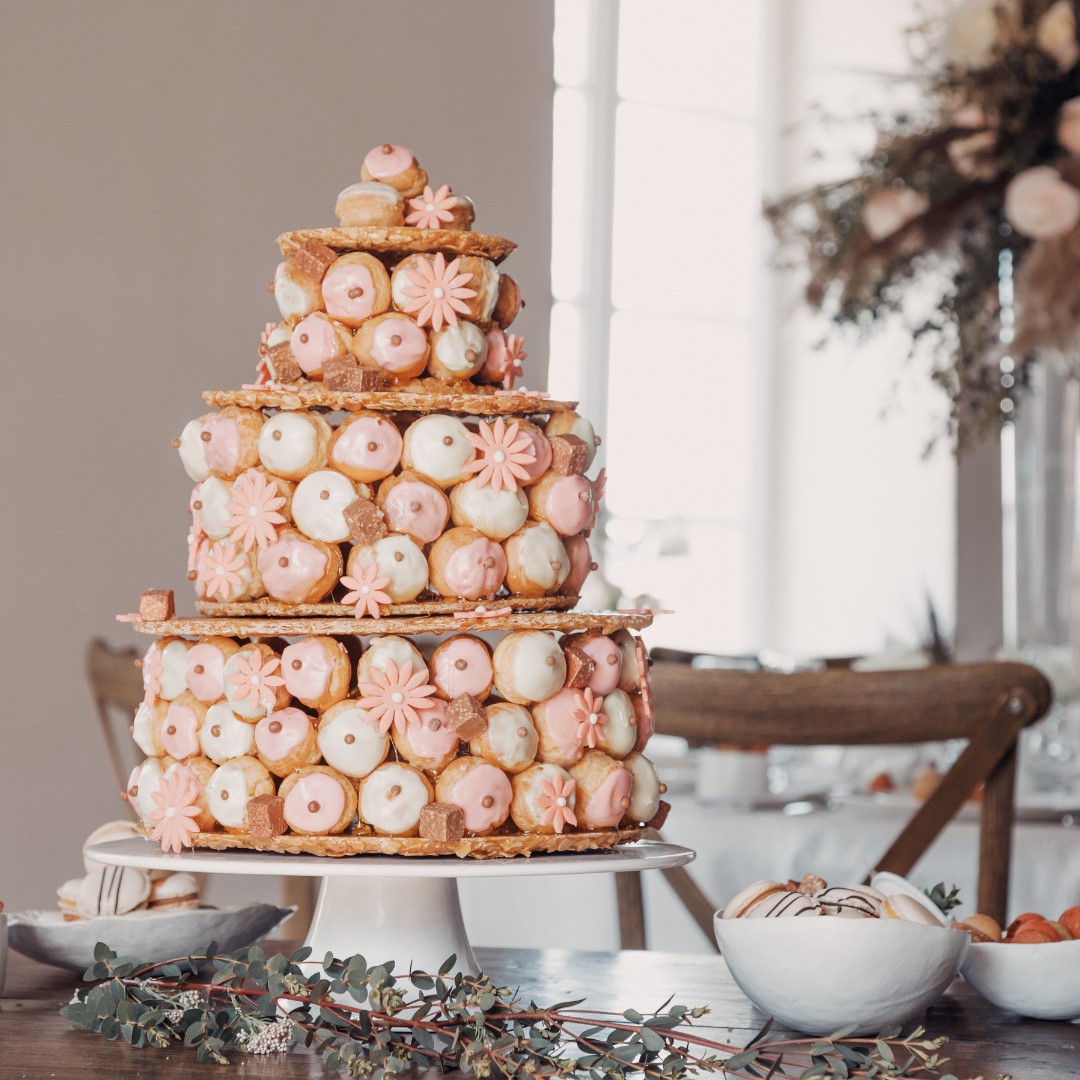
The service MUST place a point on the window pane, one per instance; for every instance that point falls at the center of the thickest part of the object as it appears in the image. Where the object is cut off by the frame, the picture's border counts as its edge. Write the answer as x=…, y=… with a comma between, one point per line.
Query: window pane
x=685, y=243
x=691, y=54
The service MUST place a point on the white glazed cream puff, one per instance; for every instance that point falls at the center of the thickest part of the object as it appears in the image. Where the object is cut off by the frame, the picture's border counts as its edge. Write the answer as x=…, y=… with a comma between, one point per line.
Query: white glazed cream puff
x=180, y=727
x=192, y=449
x=429, y=742
x=398, y=559
x=508, y=302
x=497, y=514
x=544, y=799
x=536, y=561
x=366, y=447
x=645, y=791
x=146, y=727
x=439, y=447
x=204, y=668
x=457, y=352
x=395, y=166
x=254, y=684
x=570, y=423
x=529, y=666
x=466, y=564
x=603, y=790
x=296, y=294
x=382, y=650
x=630, y=673
x=224, y=735
x=349, y=742
x=414, y=505
x=318, y=502
x=394, y=343
x=510, y=740
x=166, y=660
x=618, y=733
x=293, y=444
x=368, y=203
x=604, y=653
x=230, y=441
x=481, y=789
x=355, y=288
x=316, y=671
x=318, y=339
x=391, y=798
x=144, y=780
x=232, y=786
x=209, y=500
x=564, y=502
x=285, y=741
x=462, y=665
x=319, y=801
x=298, y=570
x=485, y=282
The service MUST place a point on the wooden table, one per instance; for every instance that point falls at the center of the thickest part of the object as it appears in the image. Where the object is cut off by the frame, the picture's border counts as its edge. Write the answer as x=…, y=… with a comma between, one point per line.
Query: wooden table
x=36, y=1043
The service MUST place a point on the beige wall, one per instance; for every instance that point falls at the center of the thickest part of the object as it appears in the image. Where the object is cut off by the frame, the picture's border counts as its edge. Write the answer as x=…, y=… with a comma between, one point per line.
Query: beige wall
x=150, y=154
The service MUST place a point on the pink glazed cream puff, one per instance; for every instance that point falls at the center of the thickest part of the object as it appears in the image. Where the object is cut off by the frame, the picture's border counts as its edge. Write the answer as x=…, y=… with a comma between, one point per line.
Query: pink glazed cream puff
x=395, y=166
x=319, y=801
x=230, y=441
x=316, y=671
x=481, y=789
x=366, y=447
x=603, y=789
x=393, y=343
x=285, y=741
x=204, y=669
x=564, y=502
x=355, y=288
x=466, y=564
x=298, y=570
x=570, y=423
x=180, y=727
x=581, y=564
x=559, y=724
x=316, y=340
x=413, y=505
x=429, y=742
x=462, y=665
x=604, y=653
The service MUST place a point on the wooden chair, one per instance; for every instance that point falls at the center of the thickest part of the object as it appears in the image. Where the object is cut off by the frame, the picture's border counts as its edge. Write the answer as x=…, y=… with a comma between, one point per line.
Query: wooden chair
x=988, y=704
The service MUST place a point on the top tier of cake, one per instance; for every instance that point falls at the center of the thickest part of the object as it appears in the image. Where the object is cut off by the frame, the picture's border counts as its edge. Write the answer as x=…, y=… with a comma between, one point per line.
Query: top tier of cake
x=401, y=295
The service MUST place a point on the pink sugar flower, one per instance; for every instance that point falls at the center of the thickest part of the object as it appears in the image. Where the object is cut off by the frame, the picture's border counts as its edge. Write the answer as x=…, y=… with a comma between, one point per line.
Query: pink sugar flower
x=396, y=698
x=255, y=680
x=590, y=718
x=176, y=811
x=554, y=801
x=437, y=291
x=367, y=593
x=515, y=356
x=254, y=509
x=219, y=569
x=502, y=455
x=432, y=210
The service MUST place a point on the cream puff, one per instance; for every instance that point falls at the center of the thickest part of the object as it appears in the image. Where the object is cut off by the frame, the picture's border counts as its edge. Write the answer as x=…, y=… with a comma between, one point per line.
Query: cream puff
x=484, y=281
x=382, y=650
x=605, y=654
x=391, y=798
x=144, y=780
x=510, y=740
x=508, y=302
x=356, y=287
x=399, y=560
x=293, y=444
x=544, y=799
x=369, y=203
x=394, y=343
x=319, y=801
x=603, y=787
x=198, y=771
x=541, y=448
x=581, y=564
x=366, y=447
x=414, y=505
x=536, y=561
x=166, y=660
x=570, y=423
x=646, y=725
x=209, y=501
x=254, y=683
x=317, y=671
x=497, y=514
x=232, y=786
x=561, y=726
x=429, y=742
x=349, y=742
x=618, y=732
x=466, y=564
x=192, y=449
x=529, y=666
x=180, y=727
x=316, y=340
x=564, y=502
x=645, y=791
x=318, y=502
x=395, y=166
x=296, y=294
x=227, y=574
x=204, y=668
x=462, y=665
x=457, y=352
x=481, y=789
x=298, y=570
x=230, y=441
x=439, y=447
x=632, y=650
x=285, y=741
x=146, y=727
x=224, y=735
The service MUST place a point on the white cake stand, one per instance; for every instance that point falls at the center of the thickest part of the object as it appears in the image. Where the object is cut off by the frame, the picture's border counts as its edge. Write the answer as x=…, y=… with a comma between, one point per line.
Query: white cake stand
x=392, y=907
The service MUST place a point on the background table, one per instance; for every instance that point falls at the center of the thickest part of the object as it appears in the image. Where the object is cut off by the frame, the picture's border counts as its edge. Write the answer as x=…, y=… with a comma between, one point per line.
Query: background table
x=36, y=1042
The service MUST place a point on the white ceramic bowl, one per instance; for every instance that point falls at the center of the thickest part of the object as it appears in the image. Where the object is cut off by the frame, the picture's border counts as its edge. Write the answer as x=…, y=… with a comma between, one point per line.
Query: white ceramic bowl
x=1041, y=981
x=147, y=935
x=817, y=975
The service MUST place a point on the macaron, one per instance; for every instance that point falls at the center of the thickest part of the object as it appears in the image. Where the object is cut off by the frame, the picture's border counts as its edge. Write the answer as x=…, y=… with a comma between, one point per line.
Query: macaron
x=112, y=890
x=982, y=928
x=67, y=899
x=175, y=891
x=907, y=909
x=741, y=902
x=850, y=901
x=111, y=830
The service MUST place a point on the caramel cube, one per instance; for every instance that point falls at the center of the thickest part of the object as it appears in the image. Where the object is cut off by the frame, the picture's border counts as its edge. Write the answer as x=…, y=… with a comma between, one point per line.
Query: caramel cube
x=579, y=667
x=568, y=455
x=283, y=365
x=313, y=259
x=157, y=605
x=467, y=717
x=442, y=821
x=343, y=373
x=658, y=819
x=365, y=521
x=266, y=816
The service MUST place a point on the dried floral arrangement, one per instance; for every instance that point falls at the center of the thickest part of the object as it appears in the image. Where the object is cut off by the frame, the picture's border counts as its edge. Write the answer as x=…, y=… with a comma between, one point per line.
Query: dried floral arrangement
x=979, y=186
x=260, y=1005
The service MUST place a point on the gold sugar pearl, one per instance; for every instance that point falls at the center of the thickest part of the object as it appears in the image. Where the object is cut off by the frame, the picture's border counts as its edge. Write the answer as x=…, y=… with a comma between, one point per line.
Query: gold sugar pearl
x=612, y=658
x=171, y=729
x=350, y=739
x=373, y=446
x=550, y=661
x=395, y=340
x=394, y=792
x=522, y=732
x=276, y=434
x=434, y=724
x=303, y=339
x=216, y=731
x=297, y=665
x=324, y=495
x=204, y=435
x=399, y=556
x=448, y=440
x=225, y=796
x=313, y=807
x=461, y=665
x=199, y=669
x=487, y=801
x=275, y=726
x=283, y=561
x=355, y=292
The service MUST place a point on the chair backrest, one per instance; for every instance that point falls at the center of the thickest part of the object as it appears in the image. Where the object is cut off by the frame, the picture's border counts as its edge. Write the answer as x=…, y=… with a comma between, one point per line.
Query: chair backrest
x=117, y=690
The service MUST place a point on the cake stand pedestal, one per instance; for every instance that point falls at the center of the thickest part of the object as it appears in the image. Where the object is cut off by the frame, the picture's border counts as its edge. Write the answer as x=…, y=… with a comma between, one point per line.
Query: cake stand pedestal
x=392, y=907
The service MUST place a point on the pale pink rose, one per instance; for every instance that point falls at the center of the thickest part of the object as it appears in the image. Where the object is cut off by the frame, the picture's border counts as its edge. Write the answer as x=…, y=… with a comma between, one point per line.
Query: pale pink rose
x=977, y=30
x=967, y=154
x=1055, y=34
x=1040, y=205
x=1068, y=129
x=890, y=209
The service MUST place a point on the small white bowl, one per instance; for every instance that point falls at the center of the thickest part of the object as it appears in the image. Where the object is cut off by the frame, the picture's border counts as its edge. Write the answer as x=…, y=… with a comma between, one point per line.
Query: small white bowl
x=819, y=974
x=1040, y=981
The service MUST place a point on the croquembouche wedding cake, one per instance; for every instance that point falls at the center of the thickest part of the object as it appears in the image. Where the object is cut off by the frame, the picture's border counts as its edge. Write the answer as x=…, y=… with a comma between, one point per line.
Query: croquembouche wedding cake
x=387, y=539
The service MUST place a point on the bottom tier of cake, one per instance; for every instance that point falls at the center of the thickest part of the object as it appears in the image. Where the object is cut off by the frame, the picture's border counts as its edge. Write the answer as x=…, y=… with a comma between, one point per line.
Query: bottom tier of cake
x=483, y=744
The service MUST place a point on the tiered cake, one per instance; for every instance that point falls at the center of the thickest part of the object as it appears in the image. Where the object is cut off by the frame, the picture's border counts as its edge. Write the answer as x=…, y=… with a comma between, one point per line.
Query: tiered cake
x=386, y=541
